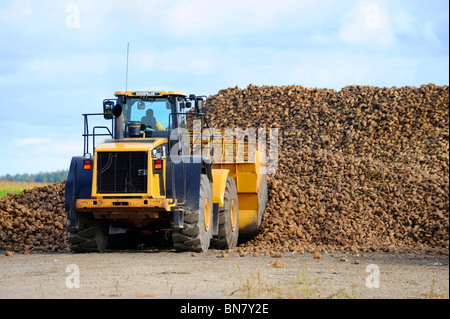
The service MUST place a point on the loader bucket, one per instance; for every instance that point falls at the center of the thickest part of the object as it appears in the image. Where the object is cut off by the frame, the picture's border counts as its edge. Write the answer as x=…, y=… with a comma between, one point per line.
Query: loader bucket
x=251, y=182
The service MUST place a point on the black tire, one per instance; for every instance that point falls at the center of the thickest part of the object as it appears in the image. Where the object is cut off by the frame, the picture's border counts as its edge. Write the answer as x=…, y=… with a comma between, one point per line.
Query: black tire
x=195, y=236
x=89, y=236
x=227, y=237
x=101, y=235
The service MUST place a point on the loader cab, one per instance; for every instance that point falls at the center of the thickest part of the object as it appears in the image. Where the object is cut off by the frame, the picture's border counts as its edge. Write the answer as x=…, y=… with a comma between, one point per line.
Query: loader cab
x=151, y=114
x=155, y=114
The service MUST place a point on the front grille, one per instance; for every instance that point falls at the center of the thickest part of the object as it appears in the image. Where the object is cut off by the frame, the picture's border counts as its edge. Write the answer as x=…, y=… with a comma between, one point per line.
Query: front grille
x=122, y=172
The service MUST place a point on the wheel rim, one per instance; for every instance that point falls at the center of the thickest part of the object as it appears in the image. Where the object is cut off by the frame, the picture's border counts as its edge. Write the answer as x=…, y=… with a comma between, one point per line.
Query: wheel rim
x=207, y=214
x=233, y=215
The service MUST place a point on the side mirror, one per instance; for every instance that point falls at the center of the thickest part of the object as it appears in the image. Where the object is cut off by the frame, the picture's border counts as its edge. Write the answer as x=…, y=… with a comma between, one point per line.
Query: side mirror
x=108, y=109
x=199, y=105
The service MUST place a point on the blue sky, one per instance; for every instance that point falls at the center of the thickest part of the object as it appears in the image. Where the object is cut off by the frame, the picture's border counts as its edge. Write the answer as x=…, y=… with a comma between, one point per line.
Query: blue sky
x=60, y=59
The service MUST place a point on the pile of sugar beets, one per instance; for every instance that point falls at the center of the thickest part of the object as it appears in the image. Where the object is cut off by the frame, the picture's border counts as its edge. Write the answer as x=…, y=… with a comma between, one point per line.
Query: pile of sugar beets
x=361, y=169
x=34, y=220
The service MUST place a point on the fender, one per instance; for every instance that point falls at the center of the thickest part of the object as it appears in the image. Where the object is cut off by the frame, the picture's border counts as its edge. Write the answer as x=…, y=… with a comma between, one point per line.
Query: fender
x=78, y=186
x=193, y=168
x=220, y=182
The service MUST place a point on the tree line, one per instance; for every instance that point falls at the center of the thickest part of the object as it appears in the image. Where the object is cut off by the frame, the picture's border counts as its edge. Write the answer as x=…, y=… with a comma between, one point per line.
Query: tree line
x=41, y=177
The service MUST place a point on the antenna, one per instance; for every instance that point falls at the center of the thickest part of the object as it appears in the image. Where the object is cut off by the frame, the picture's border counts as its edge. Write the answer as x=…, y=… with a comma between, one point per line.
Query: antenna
x=126, y=77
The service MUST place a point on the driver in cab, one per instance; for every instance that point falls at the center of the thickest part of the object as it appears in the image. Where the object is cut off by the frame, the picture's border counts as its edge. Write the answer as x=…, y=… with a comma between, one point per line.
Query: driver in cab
x=149, y=119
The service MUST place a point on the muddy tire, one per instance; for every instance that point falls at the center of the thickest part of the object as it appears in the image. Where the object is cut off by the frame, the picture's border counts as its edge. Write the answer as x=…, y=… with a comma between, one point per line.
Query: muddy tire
x=227, y=237
x=197, y=227
x=89, y=236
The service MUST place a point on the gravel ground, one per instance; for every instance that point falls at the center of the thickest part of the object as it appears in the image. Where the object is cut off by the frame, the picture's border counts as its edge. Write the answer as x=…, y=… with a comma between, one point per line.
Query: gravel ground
x=153, y=273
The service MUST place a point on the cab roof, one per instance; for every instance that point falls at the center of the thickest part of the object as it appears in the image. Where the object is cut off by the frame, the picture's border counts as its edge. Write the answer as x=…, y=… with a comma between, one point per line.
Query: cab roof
x=148, y=93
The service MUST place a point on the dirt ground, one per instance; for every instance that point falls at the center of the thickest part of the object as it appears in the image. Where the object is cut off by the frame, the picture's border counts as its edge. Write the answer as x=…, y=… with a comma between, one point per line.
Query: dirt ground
x=156, y=273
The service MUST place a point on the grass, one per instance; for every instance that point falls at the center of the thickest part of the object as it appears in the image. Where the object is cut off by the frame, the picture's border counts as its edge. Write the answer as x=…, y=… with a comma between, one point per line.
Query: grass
x=299, y=287
x=7, y=187
x=252, y=287
x=256, y=287
x=305, y=287
x=302, y=286
x=434, y=293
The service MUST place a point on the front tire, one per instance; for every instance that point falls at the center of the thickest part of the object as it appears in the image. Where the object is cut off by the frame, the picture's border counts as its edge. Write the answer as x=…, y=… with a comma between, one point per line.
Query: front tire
x=197, y=227
x=89, y=236
x=227, y=237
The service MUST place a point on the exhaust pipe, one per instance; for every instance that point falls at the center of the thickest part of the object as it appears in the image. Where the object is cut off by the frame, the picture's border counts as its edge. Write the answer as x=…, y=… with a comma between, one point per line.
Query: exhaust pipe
x=119, y=130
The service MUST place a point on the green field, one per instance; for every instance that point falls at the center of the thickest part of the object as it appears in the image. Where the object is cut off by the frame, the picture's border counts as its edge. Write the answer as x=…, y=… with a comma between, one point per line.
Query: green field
x=16, y=187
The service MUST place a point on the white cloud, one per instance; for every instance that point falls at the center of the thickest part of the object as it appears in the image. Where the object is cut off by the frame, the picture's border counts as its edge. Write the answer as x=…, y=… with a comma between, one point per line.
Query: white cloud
x=417, y=30
x=205, y=18
x=31, y=155
x=19, y=10
x=68, y=71
x=143, y=60
x=68, y=148
x=33, y=141
x=404, y=22
x=70, y=64
x=174, y=64
x=430, y=35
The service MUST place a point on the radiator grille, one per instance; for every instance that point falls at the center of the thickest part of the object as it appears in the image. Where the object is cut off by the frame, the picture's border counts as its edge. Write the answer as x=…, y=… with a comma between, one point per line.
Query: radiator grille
x=122, y=172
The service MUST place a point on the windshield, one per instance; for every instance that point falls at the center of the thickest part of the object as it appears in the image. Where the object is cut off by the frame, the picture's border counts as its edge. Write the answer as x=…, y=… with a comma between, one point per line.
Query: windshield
x=153, y=112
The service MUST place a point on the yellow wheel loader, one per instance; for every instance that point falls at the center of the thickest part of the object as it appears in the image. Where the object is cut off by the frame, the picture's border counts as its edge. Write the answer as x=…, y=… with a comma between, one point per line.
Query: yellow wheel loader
x=162, y=170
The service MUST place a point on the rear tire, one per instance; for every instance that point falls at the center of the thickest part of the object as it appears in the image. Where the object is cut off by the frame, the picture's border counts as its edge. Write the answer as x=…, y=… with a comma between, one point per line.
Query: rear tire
x=227, y=237
x=197, y=227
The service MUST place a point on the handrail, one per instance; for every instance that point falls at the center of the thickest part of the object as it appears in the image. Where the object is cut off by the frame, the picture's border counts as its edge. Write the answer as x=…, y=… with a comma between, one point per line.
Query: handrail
x=86, y=133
